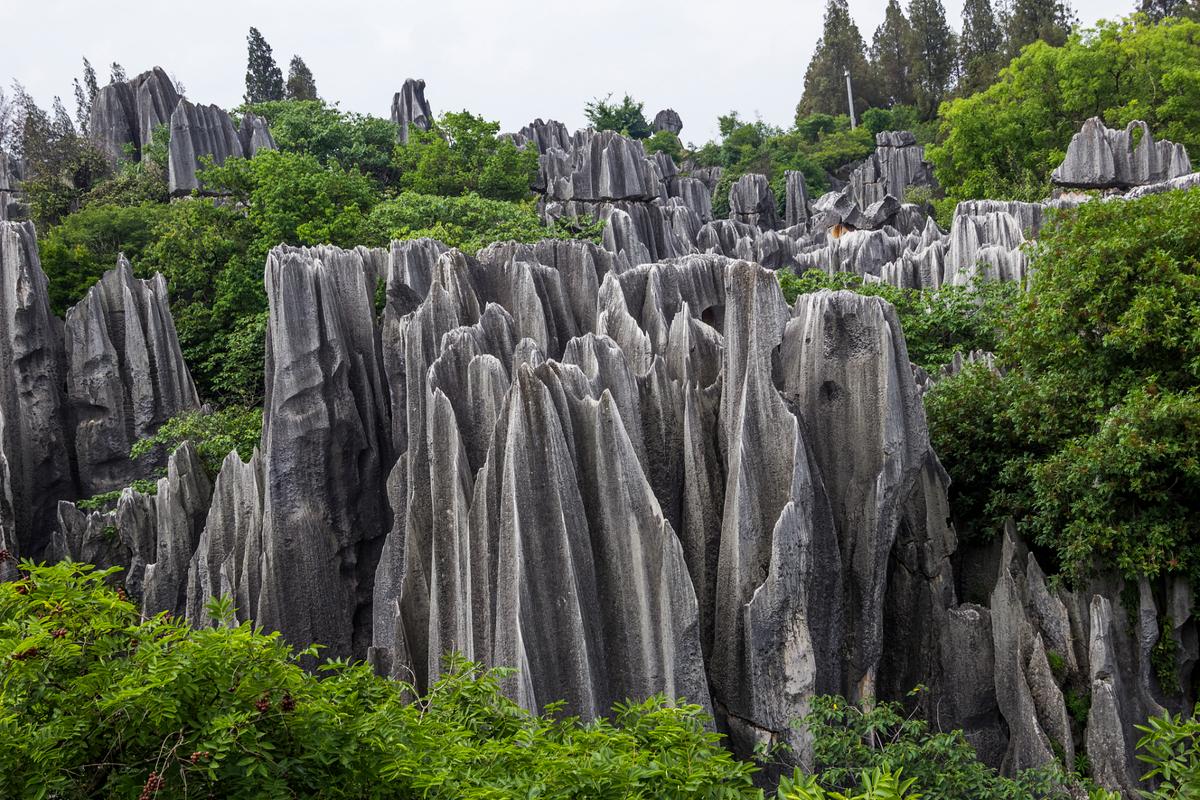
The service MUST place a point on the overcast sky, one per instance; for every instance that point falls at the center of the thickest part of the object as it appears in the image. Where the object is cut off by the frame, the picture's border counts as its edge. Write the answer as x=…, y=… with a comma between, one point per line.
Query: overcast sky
x=511, y=61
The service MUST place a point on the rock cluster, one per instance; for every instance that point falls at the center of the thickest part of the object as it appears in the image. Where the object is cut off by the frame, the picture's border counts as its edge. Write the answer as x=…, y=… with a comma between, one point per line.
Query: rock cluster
x=897, y=163
x=409, y=107
x=1102, y=158
x=125, y=114
x=199, y=132
x=74, y=397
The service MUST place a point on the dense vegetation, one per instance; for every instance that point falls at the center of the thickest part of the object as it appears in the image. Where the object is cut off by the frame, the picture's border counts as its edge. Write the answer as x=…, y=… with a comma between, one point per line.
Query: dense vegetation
x=100, y=702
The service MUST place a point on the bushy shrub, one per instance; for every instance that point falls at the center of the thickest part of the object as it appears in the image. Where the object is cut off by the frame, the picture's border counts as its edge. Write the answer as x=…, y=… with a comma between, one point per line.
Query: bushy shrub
x=462, y=155
x=214, y=434
x=332, y=136
x=98, y=702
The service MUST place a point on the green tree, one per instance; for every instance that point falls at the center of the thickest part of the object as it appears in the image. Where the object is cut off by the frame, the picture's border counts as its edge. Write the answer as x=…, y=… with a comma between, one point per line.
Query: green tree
x=839, y=49
x=1048, y=21
x=665, y=142
x=980, y=47
x=214, y=434
x=1161, y=9
x=300, y=82
x=98, y=702
x=933, y=54
x=1171, y=746
x=626, y=117
x=462, y=154
x=1092, y=436
x=1004, y=142
x=85, y=95
x=333, y=136
x=891, y=60
x=264, y=80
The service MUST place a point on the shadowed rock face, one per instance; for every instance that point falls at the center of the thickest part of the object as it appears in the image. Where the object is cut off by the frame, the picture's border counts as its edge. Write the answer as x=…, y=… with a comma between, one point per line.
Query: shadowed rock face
x=751, y=201
x=254, y=135
x=32, y=375
x=1102, y=158
x=668, y=120
x=796, y=206
x=409, y=107
x=897, y=163
x=125, y=376
x=127, y=113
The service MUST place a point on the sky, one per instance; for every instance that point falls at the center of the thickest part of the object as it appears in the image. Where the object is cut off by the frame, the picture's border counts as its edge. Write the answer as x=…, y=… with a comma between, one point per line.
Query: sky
x=510, y=61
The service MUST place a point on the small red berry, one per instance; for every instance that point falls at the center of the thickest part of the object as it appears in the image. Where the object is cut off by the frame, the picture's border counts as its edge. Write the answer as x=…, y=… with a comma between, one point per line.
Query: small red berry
x=59, y=633
x=4, y=555
x=263, y=704
x=22, y=588
x=288, y=703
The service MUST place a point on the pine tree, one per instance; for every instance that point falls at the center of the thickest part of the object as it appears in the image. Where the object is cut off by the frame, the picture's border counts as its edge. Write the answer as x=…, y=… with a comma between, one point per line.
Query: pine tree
x=116, y=73
x=264, y=80
x=1161, y=9
x=1048, y=20
x=85, y=94
x=300, y=83
x=980, y=47
x=890, y=57
x=933, y=52
x=840, y=48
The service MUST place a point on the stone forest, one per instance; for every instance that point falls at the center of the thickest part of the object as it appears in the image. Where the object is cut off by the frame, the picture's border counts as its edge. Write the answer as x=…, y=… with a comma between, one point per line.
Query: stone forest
x=353, y=456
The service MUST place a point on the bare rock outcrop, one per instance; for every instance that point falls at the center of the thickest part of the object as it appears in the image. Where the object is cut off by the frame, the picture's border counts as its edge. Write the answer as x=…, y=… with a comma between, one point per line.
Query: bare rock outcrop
x=796, y=204
x=125, y=376
x=1099, y=157
x=409, y=107
x=32, y=402
x=668, y=120
x=254, y=135
x=125, y=114
x=198, y=131
x=751, y=201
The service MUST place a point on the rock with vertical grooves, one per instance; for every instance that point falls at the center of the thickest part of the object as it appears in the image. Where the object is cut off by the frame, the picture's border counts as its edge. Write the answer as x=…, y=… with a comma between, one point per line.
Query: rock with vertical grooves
x=796, y=206
x=228, y=558
x=1099, y=157
x=409, y=107
x=125, y=376
x=180, y=504
x=668, y=120
x=254, y=135
x=197, y=132
x=125, y=114
x=751, y=201
x=897, y=163
x=326, y=448
x=600, y=166
x=32, y=403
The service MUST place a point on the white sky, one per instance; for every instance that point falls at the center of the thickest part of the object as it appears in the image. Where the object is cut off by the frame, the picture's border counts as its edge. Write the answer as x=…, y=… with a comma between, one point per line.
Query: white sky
x=511, y=61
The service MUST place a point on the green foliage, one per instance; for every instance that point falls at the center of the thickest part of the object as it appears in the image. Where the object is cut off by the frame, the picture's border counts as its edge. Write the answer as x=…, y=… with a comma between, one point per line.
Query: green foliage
x=848, y=739
x=1079, y=703
x=937, y=323
x=462, y=154
x=840, y=48
x=77, y=252
x=292, y=198
x=469, y=222
x=99, y=502
x=300, y=82
x=874, y=784
x=1163, y=657
x=97, y=702
x=312, y=127
x=139, y=181
x=1092, y=438
x=665, y=142
x=1003, y=142
x=214, y=434
x=1171, y=746
x=264, y=79
x=626, y=117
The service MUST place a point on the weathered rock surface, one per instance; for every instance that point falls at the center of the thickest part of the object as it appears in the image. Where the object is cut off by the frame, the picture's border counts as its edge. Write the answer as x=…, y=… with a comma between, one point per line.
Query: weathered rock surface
x=751, y=201
x=796, y=204
x=125, y=376
x=32, y=402
x=254, y=135
x=897, y=163
x=198, y=131
x=668, y=120
x=1102, y=158
x=127, y=113
x=409, y=107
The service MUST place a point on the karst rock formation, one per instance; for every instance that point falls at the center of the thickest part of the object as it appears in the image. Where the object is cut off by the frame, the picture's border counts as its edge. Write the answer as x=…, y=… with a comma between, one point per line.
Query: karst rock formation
x=623, y=469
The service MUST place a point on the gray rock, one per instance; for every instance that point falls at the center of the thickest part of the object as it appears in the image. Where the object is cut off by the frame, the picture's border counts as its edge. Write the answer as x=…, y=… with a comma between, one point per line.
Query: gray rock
x=796, y=207
x=196, y=132
x=897, y=163
x=668, y=120
x=179, y=505
x=125, y=376
x=1114, y=709
x=409, y=107
x=751, y=201
x=32, y=404
x=1099, y=157
x=600, y=166
x=126, y=114
x=254, y=135
x=326, y=448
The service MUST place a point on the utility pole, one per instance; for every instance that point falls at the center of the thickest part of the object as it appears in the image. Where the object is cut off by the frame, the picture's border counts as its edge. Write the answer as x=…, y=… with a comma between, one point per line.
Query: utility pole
x=850, y=97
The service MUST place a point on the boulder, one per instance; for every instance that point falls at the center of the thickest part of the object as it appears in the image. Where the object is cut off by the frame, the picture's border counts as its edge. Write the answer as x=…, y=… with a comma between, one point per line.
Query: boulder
x=1100, y=157
x=751, y=201
x=124, y=115
x=668, y=120
x=196, y=132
